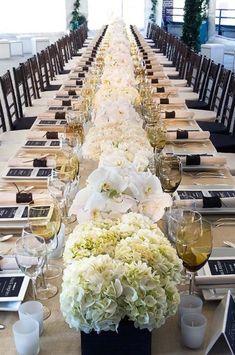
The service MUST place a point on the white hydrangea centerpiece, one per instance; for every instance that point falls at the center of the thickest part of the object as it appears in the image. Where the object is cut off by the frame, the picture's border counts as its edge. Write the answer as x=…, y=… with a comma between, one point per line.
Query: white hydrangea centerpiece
x=116, y=269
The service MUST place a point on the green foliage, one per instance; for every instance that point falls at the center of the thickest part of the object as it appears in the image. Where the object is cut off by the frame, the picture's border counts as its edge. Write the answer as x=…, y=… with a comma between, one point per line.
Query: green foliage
x=194, y=12
x=77, y=18
x=152, y=16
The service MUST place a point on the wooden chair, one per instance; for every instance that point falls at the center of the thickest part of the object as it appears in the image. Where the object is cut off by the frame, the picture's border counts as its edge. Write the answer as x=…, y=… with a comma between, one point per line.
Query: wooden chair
x=2, y=119
x=226, y=143
x=15, y=121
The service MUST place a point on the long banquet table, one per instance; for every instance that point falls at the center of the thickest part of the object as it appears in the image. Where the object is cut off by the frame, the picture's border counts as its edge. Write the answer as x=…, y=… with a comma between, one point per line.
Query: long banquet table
x=57, y=337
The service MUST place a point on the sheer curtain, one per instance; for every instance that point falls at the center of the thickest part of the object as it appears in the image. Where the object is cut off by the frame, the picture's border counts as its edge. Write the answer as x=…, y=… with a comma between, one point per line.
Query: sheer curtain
x=28, y=16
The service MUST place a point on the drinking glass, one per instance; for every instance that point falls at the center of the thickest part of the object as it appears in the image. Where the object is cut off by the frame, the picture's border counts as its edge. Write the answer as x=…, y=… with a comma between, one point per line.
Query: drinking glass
x=45, y=221
x=169, y=171
x=156, y=134
x=74, y=127
x=30, y=255
x=63, y=189
x=193, y=243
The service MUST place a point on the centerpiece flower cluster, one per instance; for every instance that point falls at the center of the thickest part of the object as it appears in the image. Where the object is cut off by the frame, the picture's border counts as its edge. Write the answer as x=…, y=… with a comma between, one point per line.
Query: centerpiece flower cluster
x=118, y=262
x=116, y=269
x=112, y=191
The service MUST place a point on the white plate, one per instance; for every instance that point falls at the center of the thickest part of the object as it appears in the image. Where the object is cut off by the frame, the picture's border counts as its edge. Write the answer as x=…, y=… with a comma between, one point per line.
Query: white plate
x=217, y=294
x=180, y=141
x=202, y=167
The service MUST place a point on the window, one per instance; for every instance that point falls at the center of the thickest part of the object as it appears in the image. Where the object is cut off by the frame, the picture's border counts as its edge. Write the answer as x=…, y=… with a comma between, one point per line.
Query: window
x=105, y=11
x=28, y=16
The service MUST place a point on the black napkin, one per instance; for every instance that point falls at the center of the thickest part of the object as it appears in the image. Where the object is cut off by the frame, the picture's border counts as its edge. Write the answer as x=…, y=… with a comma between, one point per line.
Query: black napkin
x=170, y=114
x=181, y=134
x=60, y=115
x=212, y=202
x=194, y=159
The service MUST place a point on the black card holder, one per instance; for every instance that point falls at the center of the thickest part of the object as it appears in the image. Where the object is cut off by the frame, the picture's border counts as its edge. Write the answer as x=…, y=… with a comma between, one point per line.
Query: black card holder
x=194, y=159
x=85, y=68
x=40, y=163
x=52, y=135
x=154, y=81
x=164, y=101
x=66, y=102
x=24, y=197
x=79, y=82
x=170, y=114
x=60, y=115
x=162, y=89
x=81, y=75
x=72, y=92
x=181, y=134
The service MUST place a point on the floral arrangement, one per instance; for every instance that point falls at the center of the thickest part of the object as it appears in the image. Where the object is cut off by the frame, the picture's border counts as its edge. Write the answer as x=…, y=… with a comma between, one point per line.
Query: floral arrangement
x=118, y=135
x=111, y=192
x=118, y=263
x=121, y=268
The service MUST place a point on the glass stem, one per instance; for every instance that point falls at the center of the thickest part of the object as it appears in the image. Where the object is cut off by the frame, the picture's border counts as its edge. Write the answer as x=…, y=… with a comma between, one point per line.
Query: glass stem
x=191, y=283
x=34, y=288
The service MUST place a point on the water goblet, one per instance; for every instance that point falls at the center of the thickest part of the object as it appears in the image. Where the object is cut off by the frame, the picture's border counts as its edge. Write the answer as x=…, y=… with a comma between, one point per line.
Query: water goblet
x=30, y=255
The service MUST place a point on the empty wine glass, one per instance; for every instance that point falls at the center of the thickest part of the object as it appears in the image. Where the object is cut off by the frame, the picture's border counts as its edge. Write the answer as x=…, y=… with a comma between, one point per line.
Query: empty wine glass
x=30, y=255
x=193, y=243
x=169, y=171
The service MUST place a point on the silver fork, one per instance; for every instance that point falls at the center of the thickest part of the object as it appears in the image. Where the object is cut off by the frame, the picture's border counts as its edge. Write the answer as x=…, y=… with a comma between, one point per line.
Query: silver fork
x=227, y=221
x=229, y=244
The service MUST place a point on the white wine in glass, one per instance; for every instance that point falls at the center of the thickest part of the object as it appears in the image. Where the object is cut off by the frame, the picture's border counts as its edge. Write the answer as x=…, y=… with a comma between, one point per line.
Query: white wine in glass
x=193, y=245
x=45, y=221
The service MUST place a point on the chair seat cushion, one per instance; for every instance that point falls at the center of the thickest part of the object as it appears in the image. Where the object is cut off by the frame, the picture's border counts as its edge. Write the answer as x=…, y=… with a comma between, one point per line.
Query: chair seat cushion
x=24, y=123
x=213, y=127
x=52, y=87
x=197, y=104
x=64, y=71
x=223, y=143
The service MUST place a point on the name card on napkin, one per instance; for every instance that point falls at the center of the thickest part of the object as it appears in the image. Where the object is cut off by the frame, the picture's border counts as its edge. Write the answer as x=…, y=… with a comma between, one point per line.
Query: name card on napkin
x=223, y=337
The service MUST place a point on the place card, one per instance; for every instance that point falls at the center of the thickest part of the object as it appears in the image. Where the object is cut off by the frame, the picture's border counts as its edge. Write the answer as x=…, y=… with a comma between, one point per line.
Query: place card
x=51, y=122
x=42, y=143
x=27, y=173
x=13, y=287
x=223, y=334
x=20, y=212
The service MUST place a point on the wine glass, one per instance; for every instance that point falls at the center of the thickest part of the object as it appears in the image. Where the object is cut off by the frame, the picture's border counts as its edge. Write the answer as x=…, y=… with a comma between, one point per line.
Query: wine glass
x=156, y=134
x=30, y=256
x=193, y=243
x=169, y=171
x=45, y=221
x=62, y=188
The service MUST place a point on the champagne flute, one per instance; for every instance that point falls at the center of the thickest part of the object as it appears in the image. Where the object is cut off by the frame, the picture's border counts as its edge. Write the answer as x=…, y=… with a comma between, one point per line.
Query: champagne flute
x=30, y=255
x=45, y=221
x=169, y=171
x=193, y=243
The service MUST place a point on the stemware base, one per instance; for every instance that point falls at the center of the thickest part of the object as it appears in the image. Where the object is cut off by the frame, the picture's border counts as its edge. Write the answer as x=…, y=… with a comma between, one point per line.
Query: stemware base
x=52, y=271
x=46, y=312
x=44, y=293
